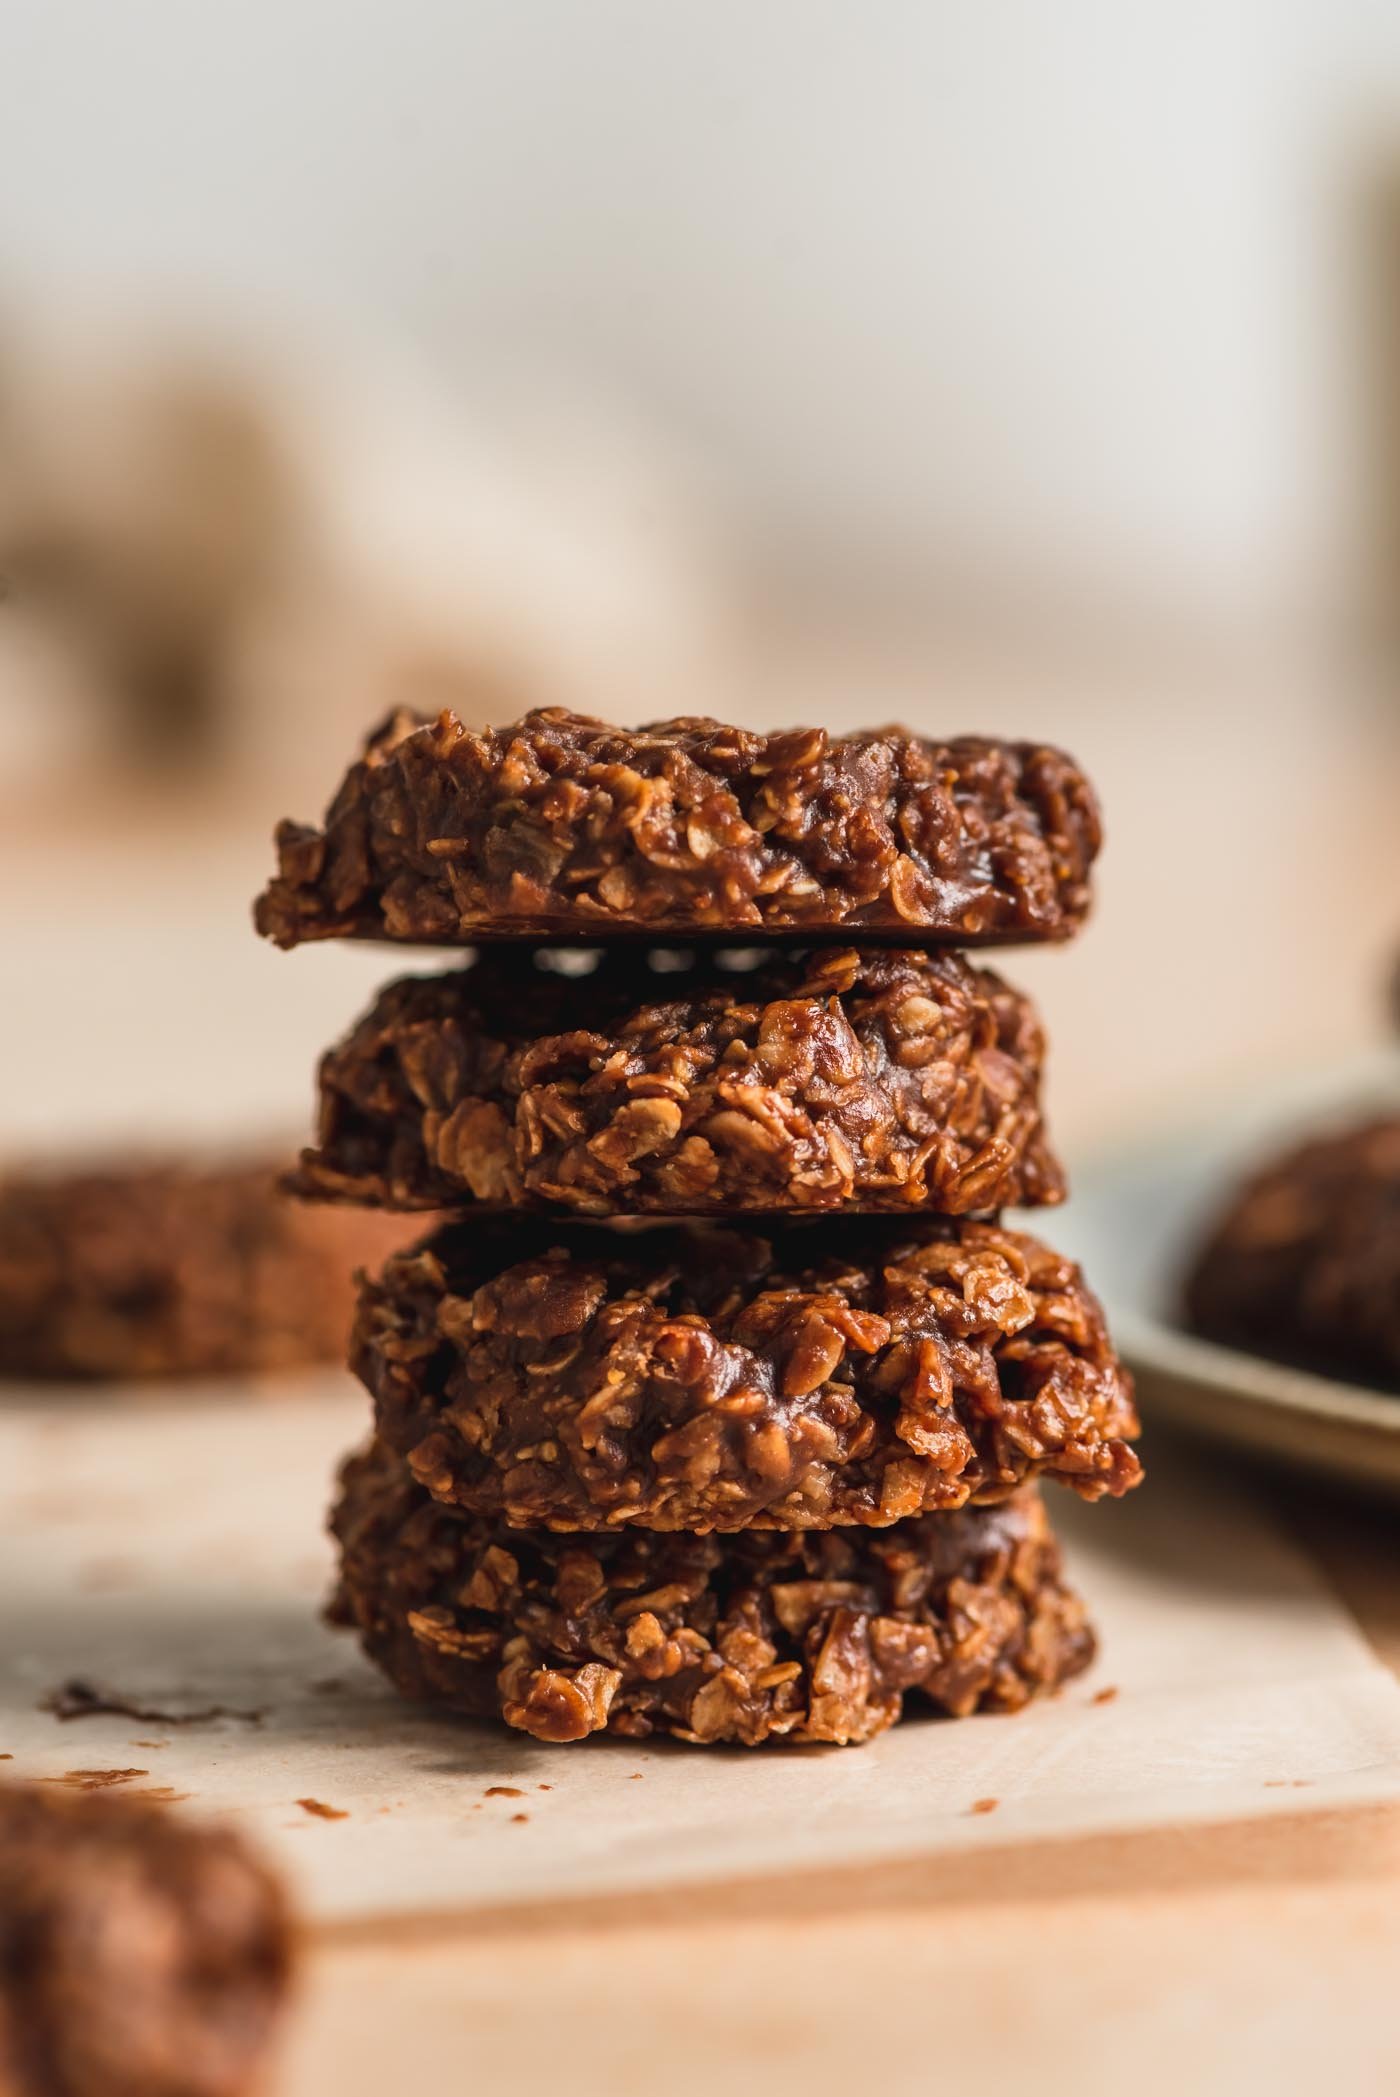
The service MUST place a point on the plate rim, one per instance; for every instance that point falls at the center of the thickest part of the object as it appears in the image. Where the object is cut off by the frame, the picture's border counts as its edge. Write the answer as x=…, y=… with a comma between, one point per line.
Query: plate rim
x=1256, y=1379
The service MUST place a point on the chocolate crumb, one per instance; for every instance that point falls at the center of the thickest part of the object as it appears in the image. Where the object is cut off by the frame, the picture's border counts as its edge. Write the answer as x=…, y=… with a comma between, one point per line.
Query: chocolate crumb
x=519, y=1816
x=78, y=1698
x=94, y=1779
x=321, y=1810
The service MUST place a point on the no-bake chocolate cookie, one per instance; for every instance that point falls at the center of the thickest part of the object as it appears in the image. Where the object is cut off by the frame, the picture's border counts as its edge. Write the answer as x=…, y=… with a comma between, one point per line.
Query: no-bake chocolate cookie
x=1304, y=1265
x=890, y=1080
x=559, y=826
x=140, y=1956
x=162, y=1269
x=758, y=1637
x=840, y=1372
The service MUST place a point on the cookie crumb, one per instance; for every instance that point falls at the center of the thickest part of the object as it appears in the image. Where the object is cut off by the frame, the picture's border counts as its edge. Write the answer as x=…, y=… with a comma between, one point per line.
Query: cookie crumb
x=77, y=1698
x=1104, y=1696
x=984, y=1805
x=321, y=1810
x=95, y=1779
x=502, y=1791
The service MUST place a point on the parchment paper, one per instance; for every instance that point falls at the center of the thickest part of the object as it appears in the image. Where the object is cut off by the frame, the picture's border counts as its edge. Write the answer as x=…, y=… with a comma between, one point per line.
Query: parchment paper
x=172, y=1550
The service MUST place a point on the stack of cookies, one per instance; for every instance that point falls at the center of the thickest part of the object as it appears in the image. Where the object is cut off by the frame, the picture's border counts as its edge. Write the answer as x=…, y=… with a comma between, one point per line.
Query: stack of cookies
x=720, y=1407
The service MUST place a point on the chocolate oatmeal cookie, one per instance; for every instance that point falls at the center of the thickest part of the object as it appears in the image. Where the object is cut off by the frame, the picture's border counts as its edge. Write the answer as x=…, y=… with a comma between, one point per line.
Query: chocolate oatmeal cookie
x=564, y=827
x=1304, y=1265
x=140, y=1956
x=149, y=1268
x=886, y=1080
x=763, y=1636
x=830, y=1373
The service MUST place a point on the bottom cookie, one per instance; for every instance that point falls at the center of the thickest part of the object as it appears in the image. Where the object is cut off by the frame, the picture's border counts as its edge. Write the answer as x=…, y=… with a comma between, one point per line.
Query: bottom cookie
x=761, y=1635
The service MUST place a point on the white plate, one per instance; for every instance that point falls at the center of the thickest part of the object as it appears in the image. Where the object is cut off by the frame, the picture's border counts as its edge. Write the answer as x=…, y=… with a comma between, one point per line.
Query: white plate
x=1135, y=1225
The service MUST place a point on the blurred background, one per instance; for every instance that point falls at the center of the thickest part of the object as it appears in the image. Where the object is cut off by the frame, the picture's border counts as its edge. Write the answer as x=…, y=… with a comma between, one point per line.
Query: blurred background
x=971, y=362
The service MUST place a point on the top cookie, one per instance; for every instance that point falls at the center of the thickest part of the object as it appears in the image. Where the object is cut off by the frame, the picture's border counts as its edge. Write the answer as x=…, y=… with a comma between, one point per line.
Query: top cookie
x=562, y=827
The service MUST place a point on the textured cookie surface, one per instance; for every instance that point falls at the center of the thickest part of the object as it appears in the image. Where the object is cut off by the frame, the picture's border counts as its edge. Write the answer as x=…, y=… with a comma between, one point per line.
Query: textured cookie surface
x=750, y=1638
x=844, y=1371
x=560, y=826
x=671, y=1084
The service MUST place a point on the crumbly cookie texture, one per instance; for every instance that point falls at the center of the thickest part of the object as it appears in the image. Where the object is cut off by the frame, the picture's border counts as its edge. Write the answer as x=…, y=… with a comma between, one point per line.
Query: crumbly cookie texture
x=140, y=1956
x=1304, y=1264
x=674, y=1085
x=146, y=1269
x=843, y=1372
x=758, y=1637
x=560, y=826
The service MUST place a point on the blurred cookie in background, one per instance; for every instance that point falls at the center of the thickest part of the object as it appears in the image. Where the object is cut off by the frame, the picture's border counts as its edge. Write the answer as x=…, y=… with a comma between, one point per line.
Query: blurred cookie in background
x=1304, y=1265
x=164, y=1267
x=141, y=1954
x=144, y=512
x=218, y=559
